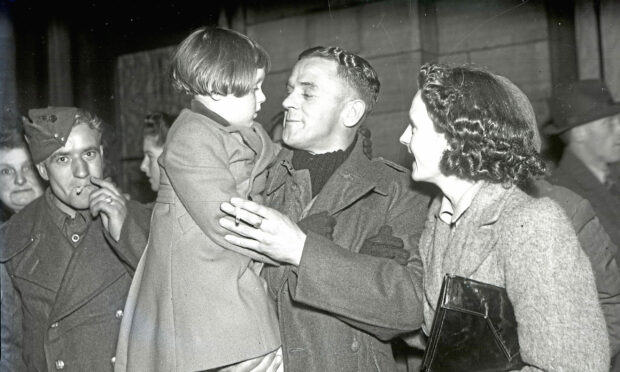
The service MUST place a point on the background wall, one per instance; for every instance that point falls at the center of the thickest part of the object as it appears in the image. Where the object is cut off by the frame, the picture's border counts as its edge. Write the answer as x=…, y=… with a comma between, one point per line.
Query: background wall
x=112, y=58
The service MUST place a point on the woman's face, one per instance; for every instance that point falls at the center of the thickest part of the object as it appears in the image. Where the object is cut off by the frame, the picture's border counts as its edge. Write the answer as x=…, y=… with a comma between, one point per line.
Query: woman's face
x=149, y=165
x=424, y=143
x=19, y=181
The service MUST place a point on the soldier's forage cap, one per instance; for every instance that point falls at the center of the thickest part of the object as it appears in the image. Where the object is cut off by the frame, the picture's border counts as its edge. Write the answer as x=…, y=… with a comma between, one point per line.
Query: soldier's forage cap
x=48, y=130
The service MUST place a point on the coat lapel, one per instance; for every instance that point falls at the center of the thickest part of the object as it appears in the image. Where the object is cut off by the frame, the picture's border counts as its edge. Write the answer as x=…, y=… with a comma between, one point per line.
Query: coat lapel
x=280, y=172
x=92, y=268
x=475, y=238
x=349, y=183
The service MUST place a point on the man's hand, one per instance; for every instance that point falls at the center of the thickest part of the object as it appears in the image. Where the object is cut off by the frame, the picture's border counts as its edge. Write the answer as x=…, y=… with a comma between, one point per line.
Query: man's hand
x=263, y=230
x=319, y=223
x=111, y=204
x=386, y=245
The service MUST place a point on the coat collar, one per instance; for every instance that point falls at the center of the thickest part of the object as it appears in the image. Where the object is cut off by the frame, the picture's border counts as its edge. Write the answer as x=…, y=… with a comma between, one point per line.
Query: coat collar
x=199, y=108
x=32, y=229
x=20, y=232
x=355, y=178
x=474, y=237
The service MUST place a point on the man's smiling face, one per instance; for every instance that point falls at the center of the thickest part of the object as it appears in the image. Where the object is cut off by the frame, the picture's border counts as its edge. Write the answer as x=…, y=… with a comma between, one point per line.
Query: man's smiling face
x=314, y=105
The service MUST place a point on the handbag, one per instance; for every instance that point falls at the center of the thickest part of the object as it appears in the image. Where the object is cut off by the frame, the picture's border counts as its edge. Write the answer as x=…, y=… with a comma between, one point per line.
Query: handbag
x=474, y=329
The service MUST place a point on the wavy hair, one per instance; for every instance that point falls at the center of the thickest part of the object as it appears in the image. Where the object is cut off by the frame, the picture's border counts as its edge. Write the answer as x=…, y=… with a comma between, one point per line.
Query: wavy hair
x=488, y=137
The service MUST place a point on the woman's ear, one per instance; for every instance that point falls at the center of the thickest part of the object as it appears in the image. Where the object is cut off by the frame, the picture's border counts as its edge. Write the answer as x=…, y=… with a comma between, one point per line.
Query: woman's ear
x=354, y=112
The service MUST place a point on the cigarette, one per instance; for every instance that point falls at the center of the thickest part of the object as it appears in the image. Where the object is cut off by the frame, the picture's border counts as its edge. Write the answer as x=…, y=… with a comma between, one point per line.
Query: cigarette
x=237, y=215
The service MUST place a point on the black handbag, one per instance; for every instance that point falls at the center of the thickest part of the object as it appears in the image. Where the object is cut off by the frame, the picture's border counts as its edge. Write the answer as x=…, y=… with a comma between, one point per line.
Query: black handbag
x=474, y=329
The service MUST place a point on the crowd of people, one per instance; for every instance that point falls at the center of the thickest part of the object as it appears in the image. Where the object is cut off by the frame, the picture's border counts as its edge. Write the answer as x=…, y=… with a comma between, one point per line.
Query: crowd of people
x=303, y=252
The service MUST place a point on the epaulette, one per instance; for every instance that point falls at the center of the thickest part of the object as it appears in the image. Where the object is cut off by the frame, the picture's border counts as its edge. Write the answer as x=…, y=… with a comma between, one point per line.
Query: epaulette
x=391, y=164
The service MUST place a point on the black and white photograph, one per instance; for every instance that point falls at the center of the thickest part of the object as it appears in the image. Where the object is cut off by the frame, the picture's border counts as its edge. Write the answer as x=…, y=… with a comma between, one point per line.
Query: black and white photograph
x=310, y=185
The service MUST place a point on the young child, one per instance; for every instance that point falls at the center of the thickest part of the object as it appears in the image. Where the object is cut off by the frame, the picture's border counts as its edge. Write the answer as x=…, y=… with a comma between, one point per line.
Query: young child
x=197, y=302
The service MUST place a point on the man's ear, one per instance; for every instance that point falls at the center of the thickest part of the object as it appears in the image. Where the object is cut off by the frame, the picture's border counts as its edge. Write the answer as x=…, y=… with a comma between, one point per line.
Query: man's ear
x=578, y=134
x=354, y=111
x=42, y=171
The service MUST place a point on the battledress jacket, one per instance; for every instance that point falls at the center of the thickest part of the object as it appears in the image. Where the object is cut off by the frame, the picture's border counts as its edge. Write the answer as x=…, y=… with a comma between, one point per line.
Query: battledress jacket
x=338, y=308
x=80, y=329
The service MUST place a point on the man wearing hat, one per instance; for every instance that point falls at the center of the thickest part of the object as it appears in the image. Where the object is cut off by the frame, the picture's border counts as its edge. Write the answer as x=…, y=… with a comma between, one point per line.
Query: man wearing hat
x=588, y=122
x=69, y=253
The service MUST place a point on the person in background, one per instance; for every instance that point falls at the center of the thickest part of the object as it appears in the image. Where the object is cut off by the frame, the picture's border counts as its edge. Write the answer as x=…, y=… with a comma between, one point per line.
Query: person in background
x=19, y=182
x=197, y=302
x=154, y=133
x=468, y=137
x=345, y=227
x=592, y=237
x=19, y=185
x=588, y=121
x=66, y=251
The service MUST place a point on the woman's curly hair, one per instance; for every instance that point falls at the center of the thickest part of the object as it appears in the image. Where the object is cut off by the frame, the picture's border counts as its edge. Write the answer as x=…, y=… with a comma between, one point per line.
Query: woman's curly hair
x=488, y=138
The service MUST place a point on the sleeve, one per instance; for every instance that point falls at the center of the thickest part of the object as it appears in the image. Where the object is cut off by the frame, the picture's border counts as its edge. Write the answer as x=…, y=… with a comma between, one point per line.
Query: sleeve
x=134, y=234
x=197, y=164
x=598, y=247
x=551, y=286
x=375, y=294
x=10, y=325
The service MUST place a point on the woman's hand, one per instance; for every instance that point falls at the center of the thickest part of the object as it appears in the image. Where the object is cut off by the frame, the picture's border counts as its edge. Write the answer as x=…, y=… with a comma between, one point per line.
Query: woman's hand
x=263, y=230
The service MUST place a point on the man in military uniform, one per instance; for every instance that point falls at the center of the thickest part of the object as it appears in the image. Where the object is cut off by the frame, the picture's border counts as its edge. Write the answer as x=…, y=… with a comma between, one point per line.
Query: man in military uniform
x=69, y=253
x=351, y=273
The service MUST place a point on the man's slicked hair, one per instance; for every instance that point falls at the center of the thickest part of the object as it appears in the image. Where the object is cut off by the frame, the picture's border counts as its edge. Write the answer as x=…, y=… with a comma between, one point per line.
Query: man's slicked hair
x=213, y=60
x=86, y=117
x=353, y=69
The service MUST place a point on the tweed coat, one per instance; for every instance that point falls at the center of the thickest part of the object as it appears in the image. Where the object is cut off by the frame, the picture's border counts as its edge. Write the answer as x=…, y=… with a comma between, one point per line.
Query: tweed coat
x=574, y=175
x=78, y=332
x=338, y=308
x=195, y=302
x=527, y=246
x=597, y=245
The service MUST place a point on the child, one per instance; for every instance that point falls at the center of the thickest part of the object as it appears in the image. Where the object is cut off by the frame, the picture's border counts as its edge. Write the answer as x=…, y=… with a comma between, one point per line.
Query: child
x=197, y=302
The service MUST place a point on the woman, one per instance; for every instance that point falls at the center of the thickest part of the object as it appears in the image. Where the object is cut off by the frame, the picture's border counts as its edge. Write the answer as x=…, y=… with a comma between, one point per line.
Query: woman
x=469, y=139
x=19, y=182
x=156, y=126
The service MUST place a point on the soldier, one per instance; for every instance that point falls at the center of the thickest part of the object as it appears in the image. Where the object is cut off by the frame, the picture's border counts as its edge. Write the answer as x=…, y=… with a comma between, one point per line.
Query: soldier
x=69, y=252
